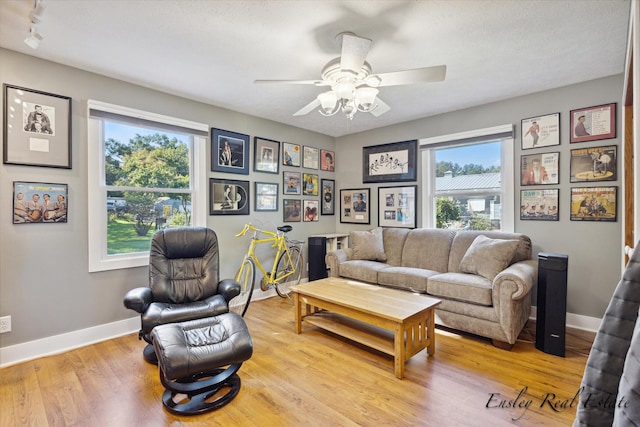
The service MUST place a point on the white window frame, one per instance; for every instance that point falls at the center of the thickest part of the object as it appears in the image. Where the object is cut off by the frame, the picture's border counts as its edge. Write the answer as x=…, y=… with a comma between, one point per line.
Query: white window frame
x=507, y=171
x=99, y=260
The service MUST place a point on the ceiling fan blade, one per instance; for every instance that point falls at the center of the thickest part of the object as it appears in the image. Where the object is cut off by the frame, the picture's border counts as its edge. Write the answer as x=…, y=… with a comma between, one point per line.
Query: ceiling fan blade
x=308, y=108
x=419, y=75
x=354, y=52
x=381, y=108
x=292, y=82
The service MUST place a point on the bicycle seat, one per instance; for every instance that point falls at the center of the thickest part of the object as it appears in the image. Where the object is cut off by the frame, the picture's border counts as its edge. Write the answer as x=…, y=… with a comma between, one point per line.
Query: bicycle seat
x=285, y=228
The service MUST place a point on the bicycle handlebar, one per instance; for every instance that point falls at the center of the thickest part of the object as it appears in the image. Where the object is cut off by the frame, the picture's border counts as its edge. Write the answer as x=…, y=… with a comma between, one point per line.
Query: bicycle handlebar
x=249, y=226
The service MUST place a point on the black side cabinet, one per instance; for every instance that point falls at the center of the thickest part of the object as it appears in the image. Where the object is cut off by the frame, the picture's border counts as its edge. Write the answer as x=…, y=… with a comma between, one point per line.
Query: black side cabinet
x=552, y=303
x=318, y=247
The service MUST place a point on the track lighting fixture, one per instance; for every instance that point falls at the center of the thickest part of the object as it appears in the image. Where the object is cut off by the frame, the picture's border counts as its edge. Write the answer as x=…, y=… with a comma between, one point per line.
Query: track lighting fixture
x=35, y=16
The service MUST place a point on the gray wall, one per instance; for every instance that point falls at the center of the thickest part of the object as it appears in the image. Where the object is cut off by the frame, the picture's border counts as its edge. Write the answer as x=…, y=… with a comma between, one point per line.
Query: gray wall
x=594, y=249
x=44, y=281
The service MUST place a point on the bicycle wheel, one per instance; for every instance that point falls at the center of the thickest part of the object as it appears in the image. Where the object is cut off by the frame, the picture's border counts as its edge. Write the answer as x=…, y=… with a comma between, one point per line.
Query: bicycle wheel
x=246, y=276
x=285, y=268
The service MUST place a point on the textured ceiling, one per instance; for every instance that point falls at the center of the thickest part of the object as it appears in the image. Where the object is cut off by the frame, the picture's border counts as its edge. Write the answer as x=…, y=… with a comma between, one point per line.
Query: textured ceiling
x=212, y=51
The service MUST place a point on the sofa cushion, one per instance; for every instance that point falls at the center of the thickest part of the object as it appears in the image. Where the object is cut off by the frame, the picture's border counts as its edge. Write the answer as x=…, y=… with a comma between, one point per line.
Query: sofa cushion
x=427, y=248
x=367, y=245
x=363, y=270
x=488, y=257
x=464, y=239
x=461, y=287
x=393, y=239
x=407, y=278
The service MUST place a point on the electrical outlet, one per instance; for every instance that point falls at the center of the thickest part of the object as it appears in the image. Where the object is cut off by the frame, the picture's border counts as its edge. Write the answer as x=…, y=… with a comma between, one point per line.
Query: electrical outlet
x=5, y=324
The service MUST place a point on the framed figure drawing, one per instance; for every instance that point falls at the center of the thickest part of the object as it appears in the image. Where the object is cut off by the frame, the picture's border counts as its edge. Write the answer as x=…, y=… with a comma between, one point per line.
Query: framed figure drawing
x=594, y=164
x=593, y=123
x=327, y=201
x=228, y=197
x=37, y=128
x=290, y=154
x=229, y=152
x=354, y=206
x=540, y=169
x=540, y=131
x=594, y=204
x=266, y=155
x=394, y=162
x=397, y=206
x=39, y=202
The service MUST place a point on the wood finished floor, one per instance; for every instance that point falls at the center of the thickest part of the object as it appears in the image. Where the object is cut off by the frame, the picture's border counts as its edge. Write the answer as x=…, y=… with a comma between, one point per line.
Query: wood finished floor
x=311, y=379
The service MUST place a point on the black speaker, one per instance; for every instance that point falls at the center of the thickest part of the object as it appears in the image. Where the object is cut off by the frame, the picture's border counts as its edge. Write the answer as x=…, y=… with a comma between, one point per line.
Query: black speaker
x=317, y=252
x=551, y=317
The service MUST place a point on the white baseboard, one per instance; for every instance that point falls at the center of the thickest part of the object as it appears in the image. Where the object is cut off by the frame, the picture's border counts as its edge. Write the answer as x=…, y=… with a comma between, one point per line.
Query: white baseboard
x=576, y=321
x=56, y=344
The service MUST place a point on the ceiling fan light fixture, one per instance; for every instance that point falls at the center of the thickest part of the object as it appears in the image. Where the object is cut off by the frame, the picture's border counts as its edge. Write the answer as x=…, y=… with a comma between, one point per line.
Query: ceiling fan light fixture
x=365, y=98
x=328, y=101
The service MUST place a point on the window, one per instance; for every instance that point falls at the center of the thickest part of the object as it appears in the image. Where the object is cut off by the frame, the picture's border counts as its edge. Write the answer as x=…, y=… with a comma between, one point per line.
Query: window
x=146, y=172
x=468, y=180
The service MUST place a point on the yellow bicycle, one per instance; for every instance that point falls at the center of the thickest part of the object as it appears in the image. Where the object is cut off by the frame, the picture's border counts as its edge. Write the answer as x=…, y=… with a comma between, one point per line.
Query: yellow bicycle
x=286, y=270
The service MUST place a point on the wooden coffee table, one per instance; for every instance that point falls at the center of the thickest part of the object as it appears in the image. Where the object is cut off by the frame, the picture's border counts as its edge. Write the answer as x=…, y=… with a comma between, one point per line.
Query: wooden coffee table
x=394, y=322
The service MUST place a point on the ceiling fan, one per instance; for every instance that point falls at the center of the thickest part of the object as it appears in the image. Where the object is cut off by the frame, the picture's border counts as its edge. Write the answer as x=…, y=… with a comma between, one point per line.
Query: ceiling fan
x=353, y=85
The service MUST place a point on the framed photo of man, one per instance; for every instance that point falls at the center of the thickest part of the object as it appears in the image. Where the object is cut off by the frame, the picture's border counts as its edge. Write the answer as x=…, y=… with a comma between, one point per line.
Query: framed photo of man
x=594, y=164
x=540, y=169
x=354, y=206
x=593, y=123
x=36, y=128
x=266, y=155
x=229, y=152
x=540, y=131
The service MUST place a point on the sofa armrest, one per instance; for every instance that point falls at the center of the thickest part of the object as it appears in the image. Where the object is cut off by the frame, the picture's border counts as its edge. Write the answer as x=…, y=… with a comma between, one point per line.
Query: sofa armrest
x=229, y=289
x=333, y=259
x=138, y=299
x=523, y=274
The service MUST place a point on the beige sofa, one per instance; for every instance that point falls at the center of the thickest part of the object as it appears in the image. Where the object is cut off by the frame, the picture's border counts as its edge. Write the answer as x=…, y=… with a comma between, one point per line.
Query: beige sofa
x=484, y=278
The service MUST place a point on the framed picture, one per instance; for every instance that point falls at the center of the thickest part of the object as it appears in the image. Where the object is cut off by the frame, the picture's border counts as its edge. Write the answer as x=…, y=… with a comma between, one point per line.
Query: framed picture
x=397, y=206
x=394, y=162
x=291, y=183
x=266, y=155
x=327, y=202
x=228, y=197
x=354, y=206
x=310, y=184
x=229, y=152
x=327, y=160
x=37, y=128
x=594, y=204
x=540, y=205
x=310, y=158
x=292, y=210
x=39, y=202
x=540, y=131
x=593, y=123
x=290, y=154
x=540, y=169
x=310, y=210
x=266, y=196
x=594, y=164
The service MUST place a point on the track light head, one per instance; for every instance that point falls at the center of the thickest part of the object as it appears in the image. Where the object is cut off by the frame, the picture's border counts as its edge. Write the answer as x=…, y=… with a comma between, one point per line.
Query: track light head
x=33, y=41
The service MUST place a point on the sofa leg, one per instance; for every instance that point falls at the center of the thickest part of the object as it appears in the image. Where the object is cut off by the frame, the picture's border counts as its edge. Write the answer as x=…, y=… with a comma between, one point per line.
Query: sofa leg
x=501, y=345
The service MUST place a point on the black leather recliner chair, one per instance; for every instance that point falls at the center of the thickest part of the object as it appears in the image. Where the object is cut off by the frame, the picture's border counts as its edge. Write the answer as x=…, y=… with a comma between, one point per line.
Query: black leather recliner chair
x=184, y=282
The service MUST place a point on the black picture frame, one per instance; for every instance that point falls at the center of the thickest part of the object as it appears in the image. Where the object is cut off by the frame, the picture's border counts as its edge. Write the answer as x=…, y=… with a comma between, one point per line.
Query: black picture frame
x=40, y=202
x=310, y=211
x=394, y=162
x=540, y=205
x=328, y=197
x=594, y=204
x=593, y=123
x=292, y=210
x=397, y=206
x=291, y=183
x=228, y=197
x=36, y=128
x=236, y=162
x=266, y=155
x=266, y=199
x=594, y=164
x=349, y=212
x=310, y=184
x=327, y=160
x=291, y=154
x=310, y=157
x=540, y=169
x=540, y=131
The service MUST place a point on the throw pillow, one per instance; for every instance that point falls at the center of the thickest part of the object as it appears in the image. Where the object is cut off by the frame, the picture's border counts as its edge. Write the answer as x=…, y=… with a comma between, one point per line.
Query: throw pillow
x=488, y=257
x=367, y=245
